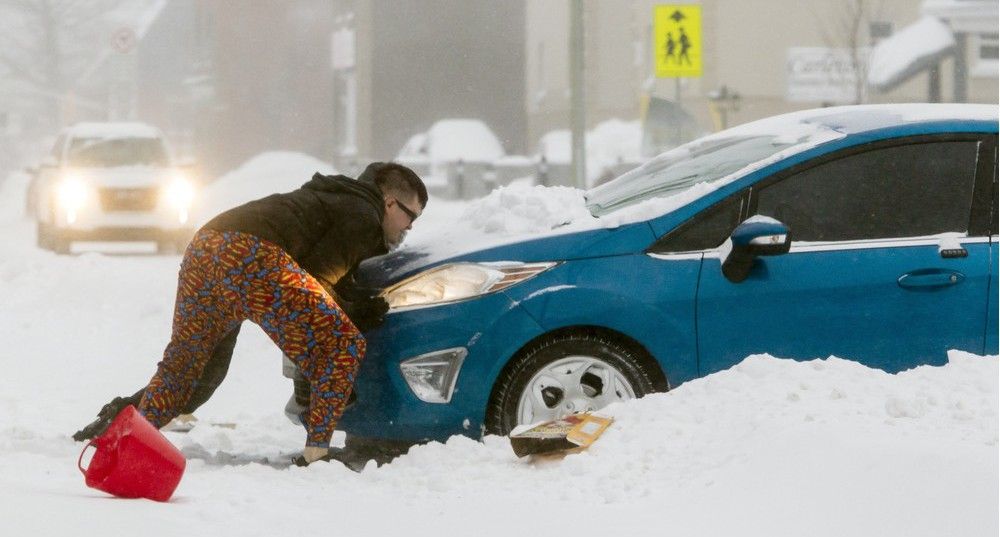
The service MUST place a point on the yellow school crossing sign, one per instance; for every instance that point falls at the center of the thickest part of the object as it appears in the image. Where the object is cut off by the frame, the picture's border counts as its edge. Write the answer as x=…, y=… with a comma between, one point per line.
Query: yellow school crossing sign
x=677, y=40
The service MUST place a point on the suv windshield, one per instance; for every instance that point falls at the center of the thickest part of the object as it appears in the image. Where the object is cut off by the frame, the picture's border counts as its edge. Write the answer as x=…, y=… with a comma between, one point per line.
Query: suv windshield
x=112, y=152
x=700, y=161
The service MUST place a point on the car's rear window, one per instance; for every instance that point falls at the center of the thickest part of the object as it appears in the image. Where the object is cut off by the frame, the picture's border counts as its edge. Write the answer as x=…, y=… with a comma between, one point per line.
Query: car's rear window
x=112, y=152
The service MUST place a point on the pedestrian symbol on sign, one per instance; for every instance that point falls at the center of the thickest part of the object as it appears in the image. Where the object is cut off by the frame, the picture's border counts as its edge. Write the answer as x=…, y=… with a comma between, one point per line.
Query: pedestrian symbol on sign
x=677, y=33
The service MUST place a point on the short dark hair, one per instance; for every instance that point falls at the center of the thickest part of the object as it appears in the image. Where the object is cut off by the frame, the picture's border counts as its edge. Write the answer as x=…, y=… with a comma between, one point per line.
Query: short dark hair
x=398, y=180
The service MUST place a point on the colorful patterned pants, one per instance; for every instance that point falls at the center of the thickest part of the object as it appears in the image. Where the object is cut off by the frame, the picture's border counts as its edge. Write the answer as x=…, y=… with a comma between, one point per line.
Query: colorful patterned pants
x=227, y=277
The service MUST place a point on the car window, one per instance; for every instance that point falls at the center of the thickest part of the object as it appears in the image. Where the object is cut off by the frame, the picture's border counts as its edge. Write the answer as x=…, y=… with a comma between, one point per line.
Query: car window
x=112, y=152
x=708, y=229
x=900, y=191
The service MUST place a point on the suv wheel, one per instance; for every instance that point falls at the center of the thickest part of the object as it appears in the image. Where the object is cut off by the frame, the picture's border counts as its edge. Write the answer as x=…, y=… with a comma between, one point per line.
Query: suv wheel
x=578, y=372
x=43, y=237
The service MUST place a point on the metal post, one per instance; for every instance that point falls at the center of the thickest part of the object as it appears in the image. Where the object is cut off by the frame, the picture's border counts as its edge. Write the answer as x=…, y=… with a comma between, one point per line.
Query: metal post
x=960, y=90
x=577, y=101
x=934, y=84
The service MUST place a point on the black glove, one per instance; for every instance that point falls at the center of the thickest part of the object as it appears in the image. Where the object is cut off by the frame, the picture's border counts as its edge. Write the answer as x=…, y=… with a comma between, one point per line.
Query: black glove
x=107, y=415
x=367, y=313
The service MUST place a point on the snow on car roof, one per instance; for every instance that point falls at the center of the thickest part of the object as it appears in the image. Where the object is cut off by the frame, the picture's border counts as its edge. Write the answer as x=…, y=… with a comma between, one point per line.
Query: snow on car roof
x=863, y=118
x=124, y=129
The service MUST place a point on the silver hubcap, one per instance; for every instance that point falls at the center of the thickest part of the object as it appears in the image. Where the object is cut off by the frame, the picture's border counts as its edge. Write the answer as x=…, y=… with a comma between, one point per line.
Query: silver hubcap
x=572, y=384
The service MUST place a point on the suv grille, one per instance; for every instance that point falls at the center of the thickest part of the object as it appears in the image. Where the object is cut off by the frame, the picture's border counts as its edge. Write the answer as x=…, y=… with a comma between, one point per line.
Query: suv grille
x=128, y=199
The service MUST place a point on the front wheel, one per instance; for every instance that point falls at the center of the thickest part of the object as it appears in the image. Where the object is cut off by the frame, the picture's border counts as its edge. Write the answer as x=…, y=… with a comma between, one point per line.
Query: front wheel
x=567, y=374
x=43, y=237
x=49, y=238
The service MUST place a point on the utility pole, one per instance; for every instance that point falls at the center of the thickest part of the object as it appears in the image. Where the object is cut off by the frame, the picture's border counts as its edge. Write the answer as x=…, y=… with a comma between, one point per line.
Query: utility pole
x=577, y=101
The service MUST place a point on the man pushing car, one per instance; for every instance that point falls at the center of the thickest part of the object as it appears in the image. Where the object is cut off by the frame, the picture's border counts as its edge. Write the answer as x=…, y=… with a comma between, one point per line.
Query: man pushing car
x=280, y=261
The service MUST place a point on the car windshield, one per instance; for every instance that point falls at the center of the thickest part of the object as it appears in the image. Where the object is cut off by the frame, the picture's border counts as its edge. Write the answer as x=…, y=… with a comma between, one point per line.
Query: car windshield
x=703, y=160
x=112, y=152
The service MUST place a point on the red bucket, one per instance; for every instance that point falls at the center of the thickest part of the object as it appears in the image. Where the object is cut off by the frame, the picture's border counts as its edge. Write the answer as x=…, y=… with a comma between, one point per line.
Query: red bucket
x=133, y=460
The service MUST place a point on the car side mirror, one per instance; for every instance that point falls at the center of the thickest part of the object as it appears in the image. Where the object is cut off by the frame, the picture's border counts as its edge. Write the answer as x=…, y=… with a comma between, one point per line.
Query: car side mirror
x=756, y=236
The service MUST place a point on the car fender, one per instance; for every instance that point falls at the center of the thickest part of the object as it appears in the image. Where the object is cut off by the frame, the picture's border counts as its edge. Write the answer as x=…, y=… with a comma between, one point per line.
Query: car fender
x=667, y=335
x=497, y=342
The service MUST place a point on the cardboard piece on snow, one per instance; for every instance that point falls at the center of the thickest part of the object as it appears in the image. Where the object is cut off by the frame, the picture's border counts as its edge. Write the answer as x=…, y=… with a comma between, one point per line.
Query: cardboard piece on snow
x=573, y=432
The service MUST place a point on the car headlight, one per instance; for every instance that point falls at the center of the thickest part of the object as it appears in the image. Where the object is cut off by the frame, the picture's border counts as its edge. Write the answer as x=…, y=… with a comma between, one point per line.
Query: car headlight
x=459, y=281
x=179, y=193
x=71, y=193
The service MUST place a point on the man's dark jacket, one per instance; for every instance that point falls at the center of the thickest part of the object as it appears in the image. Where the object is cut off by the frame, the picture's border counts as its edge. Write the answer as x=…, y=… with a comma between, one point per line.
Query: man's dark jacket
x=328, y=226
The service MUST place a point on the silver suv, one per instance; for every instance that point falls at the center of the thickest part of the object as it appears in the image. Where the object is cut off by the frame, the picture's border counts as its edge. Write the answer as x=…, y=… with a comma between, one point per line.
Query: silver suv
x=112, y=182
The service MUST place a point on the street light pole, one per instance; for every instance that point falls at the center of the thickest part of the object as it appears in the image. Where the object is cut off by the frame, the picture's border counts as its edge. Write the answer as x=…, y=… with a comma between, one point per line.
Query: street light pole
x=577, y=101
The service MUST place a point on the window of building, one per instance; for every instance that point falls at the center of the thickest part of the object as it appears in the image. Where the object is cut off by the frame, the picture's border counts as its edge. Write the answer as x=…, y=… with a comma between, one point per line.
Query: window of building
x=986, y=52
x=879, y=30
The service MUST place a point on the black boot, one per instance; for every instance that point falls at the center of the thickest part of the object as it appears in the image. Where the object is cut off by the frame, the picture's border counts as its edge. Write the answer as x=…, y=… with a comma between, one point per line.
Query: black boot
x=106, y=416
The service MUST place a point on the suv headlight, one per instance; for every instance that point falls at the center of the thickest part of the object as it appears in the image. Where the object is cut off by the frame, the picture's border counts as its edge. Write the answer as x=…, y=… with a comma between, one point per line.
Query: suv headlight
x=179, y=193
x=460, y=281
x=72, y=193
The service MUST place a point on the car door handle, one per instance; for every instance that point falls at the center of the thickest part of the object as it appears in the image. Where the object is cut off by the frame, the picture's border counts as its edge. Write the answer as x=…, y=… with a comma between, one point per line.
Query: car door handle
x=930, y=278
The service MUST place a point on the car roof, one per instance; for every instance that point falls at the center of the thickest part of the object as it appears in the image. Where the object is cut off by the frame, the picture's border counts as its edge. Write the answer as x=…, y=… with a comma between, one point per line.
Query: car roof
x=120, y=129
x=858, y=119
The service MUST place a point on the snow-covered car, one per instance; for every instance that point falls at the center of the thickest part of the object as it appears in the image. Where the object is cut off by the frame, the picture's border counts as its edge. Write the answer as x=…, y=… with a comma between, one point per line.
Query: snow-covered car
x=867, y=233
x=112, y=182
x=448, y=148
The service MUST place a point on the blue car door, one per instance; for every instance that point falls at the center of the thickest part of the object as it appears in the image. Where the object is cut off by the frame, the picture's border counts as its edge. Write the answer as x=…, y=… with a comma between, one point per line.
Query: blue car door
x=889, y=264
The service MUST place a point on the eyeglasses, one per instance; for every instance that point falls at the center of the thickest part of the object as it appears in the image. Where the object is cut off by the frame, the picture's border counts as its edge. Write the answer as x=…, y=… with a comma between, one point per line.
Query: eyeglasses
x=413, y=216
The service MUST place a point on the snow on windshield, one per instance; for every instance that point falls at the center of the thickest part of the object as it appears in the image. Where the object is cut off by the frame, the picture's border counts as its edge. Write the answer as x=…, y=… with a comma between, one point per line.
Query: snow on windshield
x=512, y=213
x=715, y=159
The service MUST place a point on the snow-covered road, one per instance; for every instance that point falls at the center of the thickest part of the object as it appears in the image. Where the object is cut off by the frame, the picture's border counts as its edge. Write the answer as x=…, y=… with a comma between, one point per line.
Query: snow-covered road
x=770, y=447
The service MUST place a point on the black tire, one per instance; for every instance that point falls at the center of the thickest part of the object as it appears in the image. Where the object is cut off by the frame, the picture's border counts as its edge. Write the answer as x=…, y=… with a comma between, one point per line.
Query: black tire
x=61, y=245
x=43, y=236
x=501, y=414
x=48, y=238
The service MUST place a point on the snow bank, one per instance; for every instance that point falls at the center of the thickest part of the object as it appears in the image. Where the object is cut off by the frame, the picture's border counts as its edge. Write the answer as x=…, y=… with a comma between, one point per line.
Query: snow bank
x=769, y=447
x=451, y=140
x=468, y=139
x=262, y=175
x=609, y=143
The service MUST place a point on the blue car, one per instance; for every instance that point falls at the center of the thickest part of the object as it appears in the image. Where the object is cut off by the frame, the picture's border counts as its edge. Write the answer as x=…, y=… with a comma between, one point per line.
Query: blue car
x=868, y=233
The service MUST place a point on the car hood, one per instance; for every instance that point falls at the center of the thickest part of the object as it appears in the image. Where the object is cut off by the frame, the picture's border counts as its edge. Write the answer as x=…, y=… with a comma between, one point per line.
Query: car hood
x=124, y=176
x=393, y=267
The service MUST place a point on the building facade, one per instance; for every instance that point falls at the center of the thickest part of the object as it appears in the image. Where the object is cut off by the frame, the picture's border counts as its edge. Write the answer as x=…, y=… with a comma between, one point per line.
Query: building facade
x=400, y=65
x=759, y=58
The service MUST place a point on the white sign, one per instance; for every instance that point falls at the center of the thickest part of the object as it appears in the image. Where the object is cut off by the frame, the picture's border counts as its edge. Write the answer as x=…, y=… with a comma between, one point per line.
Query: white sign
x=819, y=74
x=342, y=49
